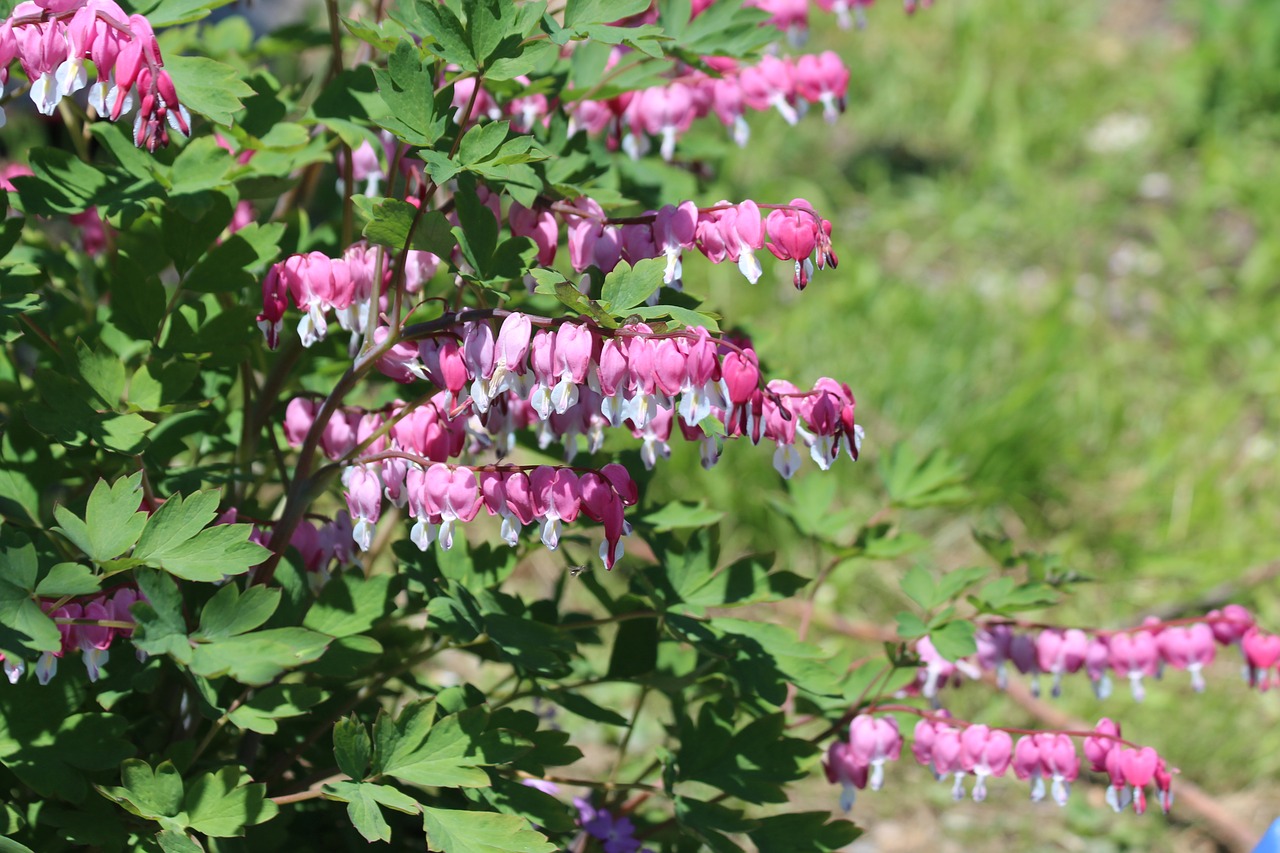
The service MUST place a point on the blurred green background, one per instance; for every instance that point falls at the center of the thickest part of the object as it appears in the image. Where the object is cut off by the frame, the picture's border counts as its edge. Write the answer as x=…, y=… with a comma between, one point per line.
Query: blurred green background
x=1060, y=262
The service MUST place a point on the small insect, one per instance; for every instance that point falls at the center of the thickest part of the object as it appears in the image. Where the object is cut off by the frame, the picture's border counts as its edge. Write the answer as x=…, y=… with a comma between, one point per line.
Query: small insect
x=576, y=570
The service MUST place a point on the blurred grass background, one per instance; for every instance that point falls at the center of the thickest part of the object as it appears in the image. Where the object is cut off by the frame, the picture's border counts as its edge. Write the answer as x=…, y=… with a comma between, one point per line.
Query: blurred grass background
x=1060, y=261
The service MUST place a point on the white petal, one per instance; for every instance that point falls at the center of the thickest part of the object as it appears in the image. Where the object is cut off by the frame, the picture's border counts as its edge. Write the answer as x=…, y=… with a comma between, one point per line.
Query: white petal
x=44, y=94
x=749, y=265
x=71, y=76
x=510, y=532
x=540, y=401
x=422, y=534
x=46, y=667
x=786, y=460
x=564, y=396
x=551, y=532
x=668, y=148
x=446, y=534
x=362, y=534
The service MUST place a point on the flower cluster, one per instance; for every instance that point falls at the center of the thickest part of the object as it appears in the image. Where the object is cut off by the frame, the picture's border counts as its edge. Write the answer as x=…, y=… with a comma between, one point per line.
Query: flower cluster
x=53, y=39
x=1132, y=654
x=666, y=112
x=439, y=496
x=957, y=749
x=723, y=232
x=87, y=626
x=318, y=284
x=578, y=377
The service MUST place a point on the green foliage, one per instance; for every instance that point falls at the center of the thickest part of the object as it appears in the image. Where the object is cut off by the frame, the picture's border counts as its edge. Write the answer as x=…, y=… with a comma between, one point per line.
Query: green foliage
x=219, y=804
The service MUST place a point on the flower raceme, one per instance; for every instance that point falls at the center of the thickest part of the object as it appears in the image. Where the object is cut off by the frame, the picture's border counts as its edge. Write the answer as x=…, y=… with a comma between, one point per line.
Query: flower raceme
x=666, y=112
x=53, y=39
x=81, y=624
x=317, y=284
x=957, y=749
x=439, y=496
x=1133, y=654
x=576, y=379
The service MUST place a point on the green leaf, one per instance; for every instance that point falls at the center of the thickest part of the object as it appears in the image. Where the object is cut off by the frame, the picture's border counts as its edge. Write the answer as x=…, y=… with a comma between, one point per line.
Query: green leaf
x=208, y=87
x=803, y=832
x=175, y=841
x=229, y=612
x=61, y=184
x=910, y=626
x=708, y=823
x=146, y=792
x=452, y=753
x=278, y=702
x=176, y=521
x=352, y=747
x=1004, y=595
x=626, y=286
x=460, y=831
x=677, y=515
x=162, y=628
x=364, y=811
x=541, y=809
x=919, y=586
x=685, y=568
x=166, y=13
x=581, y=12
x=50, y=749
x=223, y=803
x=103, y=372
x=212, y=554
x=23, y=624
x=202, y=165
x=764, y=657
x=154, y=386
x=258, y=658
x=752, y=763
x=913, y=482
x=747, y=581
x=955, y=582
x=392, y=219
x=406, y=86
x=954, y=640
x=397, y=738
x=112, y=522
x=478, y=233
x=576, y=703
x=188, y=234
x=137, y=297
x=446, y=37
x=481, y=142
x=350, y=604
x=532, y=646
x=233, y=264
x=68, y=579
x=683, y=316
x=19, y=498
x=635, y=649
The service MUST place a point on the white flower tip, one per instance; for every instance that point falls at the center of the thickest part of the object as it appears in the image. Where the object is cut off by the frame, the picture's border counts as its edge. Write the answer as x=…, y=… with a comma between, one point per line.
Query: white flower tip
x=362, y=534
